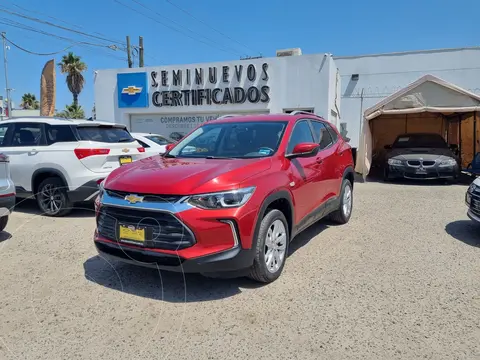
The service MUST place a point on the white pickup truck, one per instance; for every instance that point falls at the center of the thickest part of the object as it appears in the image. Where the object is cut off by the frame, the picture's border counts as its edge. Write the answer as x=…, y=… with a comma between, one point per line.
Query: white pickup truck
x=472, y=198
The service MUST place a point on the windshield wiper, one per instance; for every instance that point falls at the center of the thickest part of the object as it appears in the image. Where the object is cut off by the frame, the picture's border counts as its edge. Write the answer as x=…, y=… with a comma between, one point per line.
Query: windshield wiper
x=218, y=157
x=169, y=156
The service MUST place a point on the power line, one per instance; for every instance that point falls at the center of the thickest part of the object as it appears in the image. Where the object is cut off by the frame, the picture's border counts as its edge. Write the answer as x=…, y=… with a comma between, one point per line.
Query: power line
x=86, y=45
x=60, y=27
x=170, y=27
x=35, y=53
x=208, y=25
x=177, y=23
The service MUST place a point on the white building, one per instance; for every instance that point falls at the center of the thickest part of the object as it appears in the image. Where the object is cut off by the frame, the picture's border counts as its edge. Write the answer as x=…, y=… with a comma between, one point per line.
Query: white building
x=171, y=99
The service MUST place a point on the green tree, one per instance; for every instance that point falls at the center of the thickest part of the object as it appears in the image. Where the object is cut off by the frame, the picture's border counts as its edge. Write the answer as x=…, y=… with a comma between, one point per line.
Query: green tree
x=29, y=102
x=73, y=66
x=71, y=112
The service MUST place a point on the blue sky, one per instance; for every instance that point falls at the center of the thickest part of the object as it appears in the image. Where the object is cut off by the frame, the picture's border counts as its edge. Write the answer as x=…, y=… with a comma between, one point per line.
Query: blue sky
x=246, y=27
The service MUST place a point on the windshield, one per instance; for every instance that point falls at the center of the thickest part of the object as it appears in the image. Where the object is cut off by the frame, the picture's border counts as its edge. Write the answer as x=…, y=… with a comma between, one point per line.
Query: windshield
x=107, y=134
x=420, y=141
x=160, y=140
x=231, y=140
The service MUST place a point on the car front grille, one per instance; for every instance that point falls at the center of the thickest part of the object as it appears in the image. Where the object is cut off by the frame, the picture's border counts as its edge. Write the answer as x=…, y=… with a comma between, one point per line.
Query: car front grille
x=475, y=202
x=162, y=229
x=425, y=163
x=146, y=197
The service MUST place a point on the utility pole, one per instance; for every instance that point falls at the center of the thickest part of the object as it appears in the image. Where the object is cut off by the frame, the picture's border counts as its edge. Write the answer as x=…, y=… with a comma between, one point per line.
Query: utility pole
x=7, y=89
x=140, y=45
x=129, y=53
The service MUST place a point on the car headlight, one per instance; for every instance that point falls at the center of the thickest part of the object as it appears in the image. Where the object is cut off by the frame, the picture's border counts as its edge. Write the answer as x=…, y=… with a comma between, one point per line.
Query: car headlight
x=221, y=200
x=448, y=162
x=472, y=188
x=395, y=162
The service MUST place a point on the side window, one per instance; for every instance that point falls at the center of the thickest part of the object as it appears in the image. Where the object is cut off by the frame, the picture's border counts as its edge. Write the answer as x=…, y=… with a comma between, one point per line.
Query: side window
x=333, y=132
x=143, y=144
x=59, y=133
x=28, y=134
x=322, y=135
x=3, y=135
x=301, y=133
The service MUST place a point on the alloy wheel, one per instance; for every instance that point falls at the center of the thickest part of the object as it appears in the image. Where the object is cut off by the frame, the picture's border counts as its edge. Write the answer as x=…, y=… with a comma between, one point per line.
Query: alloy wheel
x=347, y=201
x=275, y=246
x=51, y=199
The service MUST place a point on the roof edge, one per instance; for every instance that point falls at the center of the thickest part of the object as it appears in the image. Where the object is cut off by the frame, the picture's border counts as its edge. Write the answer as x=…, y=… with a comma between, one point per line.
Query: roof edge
x=408, y=52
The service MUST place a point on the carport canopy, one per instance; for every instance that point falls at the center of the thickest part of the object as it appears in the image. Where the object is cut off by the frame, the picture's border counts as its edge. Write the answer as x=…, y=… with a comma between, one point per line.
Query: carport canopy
x=427, y=94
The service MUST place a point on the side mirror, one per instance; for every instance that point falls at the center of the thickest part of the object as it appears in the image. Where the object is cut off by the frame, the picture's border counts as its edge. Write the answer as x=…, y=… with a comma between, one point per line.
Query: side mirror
x=169, y=147
x=387, y=147
x=304, y=150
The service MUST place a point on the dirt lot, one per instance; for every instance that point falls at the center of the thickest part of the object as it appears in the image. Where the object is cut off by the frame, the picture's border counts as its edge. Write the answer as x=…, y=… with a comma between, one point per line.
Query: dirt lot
x=400, y=281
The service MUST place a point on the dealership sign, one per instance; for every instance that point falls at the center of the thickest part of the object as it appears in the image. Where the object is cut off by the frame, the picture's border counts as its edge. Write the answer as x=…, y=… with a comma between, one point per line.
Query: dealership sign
x=198, y=86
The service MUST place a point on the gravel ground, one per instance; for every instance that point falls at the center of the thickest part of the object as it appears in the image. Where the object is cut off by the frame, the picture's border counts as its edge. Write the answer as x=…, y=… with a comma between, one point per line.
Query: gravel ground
x=400, y=281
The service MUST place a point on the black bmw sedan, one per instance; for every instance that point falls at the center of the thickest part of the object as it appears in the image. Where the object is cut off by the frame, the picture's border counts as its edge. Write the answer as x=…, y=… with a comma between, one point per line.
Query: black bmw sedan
x=420, y=156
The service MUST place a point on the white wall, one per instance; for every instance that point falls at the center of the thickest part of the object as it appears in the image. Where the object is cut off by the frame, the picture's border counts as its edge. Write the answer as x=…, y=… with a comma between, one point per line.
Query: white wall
x=382, y=75
x=295, y=82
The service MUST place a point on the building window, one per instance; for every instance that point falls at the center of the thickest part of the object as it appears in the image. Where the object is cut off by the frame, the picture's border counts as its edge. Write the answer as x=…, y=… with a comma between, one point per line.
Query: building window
x=289, y=111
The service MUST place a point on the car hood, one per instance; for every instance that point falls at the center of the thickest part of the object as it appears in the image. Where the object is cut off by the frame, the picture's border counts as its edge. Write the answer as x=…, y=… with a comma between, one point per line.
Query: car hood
x=416, y=153
x=181, y=176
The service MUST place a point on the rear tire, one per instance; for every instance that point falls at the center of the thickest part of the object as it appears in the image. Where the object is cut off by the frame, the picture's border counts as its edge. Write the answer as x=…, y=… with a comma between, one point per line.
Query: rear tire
x=344, y=212
x=3, y=222
x=52, y=197
x=272, y=247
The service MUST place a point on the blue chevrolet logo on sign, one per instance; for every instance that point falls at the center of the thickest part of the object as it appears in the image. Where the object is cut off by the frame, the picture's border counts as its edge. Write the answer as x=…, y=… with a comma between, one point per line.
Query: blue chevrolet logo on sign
x=132, y=90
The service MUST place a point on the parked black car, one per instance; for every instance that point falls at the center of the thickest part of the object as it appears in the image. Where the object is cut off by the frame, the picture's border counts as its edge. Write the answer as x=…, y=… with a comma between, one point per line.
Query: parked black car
x=421, y=156
x=177, y=136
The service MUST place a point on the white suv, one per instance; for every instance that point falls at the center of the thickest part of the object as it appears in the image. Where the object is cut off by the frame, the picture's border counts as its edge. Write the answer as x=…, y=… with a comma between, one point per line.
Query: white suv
x=62, y=162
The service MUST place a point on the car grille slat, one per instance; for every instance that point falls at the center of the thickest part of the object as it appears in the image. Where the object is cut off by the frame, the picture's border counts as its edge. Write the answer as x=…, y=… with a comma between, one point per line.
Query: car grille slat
x=163, y=230
x=146, y=197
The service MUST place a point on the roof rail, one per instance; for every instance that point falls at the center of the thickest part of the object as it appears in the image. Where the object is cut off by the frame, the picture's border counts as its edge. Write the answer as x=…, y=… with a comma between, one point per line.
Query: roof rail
x=226, y=116
x=300, y=112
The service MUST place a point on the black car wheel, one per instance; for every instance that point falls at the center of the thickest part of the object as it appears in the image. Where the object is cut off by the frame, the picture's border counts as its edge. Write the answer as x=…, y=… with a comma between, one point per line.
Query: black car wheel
x=52, y=197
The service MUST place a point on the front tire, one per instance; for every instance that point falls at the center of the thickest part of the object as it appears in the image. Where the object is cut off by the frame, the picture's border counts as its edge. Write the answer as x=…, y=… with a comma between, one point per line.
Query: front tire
x=3, y=222
x=52, y=197
x=272, y=247
x=344, y=212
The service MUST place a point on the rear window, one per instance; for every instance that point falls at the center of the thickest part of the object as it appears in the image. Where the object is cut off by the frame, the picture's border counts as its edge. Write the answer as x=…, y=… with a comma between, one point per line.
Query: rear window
x=160, y=140
x=105, y=134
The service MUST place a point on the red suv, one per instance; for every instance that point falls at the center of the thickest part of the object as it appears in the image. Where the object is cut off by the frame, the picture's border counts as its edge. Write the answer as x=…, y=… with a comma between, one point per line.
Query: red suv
x=228, y=197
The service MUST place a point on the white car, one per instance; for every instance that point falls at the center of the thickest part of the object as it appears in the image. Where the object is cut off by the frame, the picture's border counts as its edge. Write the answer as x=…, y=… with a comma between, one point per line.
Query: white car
x=154, y=144
x=61, y=162
x=472, y=199
x=7, y=191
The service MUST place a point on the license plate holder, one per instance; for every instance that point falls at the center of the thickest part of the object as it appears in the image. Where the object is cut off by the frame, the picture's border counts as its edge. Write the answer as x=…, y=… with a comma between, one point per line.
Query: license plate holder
x=132, y=234
x=421, y=171
x=125, y=160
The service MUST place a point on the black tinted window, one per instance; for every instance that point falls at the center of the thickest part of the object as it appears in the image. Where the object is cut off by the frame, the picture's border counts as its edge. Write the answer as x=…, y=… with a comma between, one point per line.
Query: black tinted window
x=420, y=141
x=27, y=134
x=59, y=133
x=322, y=135
x=301, y=133
x=160, y=140
x=143, y=144
x=332, y=132
x=107, y=134
x=3, y=135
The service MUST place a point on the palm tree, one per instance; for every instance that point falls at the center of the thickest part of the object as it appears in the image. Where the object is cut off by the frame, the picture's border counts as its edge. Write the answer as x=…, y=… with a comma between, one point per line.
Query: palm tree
x=72, y=112
x=73, y=66
x=29, y=102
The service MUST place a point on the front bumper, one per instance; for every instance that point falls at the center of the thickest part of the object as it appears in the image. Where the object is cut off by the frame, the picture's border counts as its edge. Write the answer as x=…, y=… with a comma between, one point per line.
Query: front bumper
x=429, y=173
x=225, y=261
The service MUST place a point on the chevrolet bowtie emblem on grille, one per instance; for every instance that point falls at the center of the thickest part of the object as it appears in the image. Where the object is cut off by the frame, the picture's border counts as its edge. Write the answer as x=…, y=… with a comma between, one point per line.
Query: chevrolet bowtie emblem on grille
x=133, y=199
x=125, y=150
x=132, y=90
